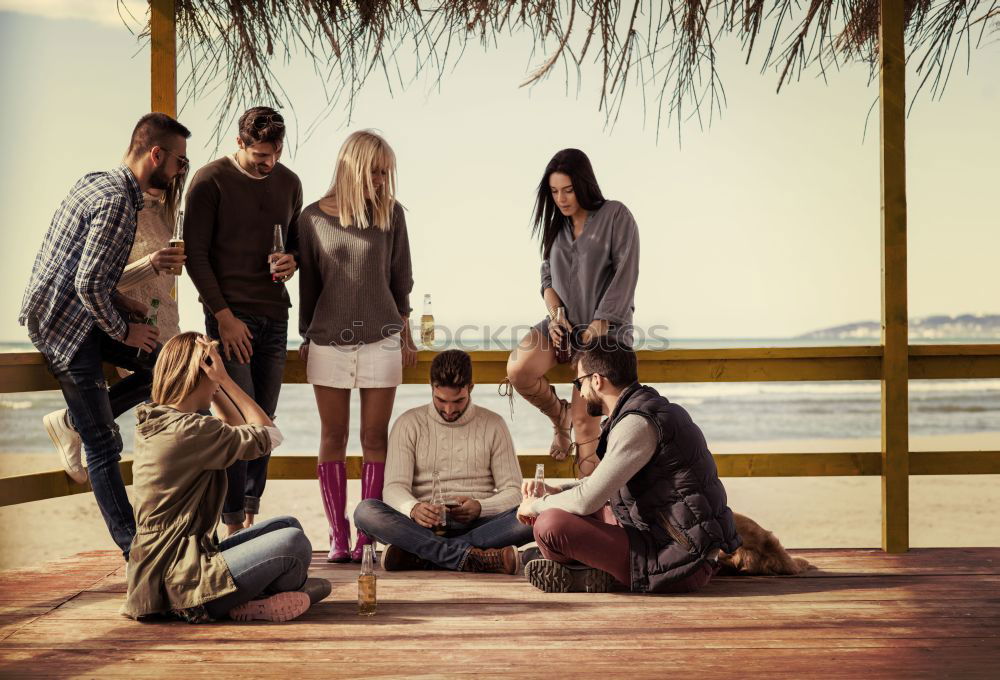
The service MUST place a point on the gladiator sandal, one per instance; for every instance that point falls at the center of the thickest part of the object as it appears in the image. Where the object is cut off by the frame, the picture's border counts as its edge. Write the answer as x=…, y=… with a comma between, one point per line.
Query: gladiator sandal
x=584, y=464
x=543, y=397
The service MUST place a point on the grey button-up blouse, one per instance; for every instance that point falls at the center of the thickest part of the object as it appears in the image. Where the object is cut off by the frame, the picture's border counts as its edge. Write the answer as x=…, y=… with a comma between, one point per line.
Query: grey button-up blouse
x=595, y=274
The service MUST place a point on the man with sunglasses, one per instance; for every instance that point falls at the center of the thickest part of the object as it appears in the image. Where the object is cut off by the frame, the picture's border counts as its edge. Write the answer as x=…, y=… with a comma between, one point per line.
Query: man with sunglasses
x=77, y=319
x=233, y=205
x=661, y=480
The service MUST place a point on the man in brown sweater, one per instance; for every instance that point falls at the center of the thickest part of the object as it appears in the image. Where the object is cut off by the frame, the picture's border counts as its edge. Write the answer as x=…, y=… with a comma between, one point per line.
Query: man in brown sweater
x=233, y=206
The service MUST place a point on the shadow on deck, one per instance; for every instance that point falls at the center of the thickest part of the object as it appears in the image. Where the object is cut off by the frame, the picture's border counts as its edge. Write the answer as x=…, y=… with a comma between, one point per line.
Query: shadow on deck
x=930, y=612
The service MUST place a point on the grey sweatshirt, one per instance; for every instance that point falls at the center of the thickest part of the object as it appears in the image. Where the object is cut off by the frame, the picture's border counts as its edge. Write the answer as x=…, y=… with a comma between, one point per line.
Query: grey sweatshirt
x=354, y=284
x=595, y=275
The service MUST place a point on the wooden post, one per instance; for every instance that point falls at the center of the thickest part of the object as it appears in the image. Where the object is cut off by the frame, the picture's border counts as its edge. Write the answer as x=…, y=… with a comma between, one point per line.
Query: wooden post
x=163, y=57
x=895, y=349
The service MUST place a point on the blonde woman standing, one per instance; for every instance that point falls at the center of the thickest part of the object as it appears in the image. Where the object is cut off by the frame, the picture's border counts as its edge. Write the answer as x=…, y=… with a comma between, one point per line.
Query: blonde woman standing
x=354, y=288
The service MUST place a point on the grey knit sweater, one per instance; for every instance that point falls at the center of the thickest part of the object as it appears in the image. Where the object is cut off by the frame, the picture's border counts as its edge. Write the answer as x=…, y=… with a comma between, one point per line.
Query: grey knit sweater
x=354, y=284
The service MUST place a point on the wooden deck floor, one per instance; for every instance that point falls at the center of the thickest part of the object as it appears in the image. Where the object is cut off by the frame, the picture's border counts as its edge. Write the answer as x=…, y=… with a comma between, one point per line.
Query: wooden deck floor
x=927, y=613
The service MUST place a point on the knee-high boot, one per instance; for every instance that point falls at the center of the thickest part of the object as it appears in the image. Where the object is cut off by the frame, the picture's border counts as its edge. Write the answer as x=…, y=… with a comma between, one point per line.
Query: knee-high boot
x=333, y=488
x=372, y=479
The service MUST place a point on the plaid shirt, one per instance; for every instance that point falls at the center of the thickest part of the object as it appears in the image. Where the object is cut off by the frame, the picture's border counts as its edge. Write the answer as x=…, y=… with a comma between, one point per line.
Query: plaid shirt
x=78, y=266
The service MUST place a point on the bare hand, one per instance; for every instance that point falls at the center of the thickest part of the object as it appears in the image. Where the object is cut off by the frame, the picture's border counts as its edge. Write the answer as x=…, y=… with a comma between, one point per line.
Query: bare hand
x=529, y=486
x=168, y=260
x=525, y=515
x=211, y=363
x=597, y=328
x=469, y=510
x=426, y=515
x=283, y=266
x=235, y=337
x=409, y=355
x=558, y=330
x=131, y=307
x=142, y=336
x=304, y=352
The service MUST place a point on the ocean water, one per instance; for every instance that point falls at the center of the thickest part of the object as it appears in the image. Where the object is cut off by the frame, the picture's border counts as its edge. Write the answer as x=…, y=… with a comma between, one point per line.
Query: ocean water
x=726, y=412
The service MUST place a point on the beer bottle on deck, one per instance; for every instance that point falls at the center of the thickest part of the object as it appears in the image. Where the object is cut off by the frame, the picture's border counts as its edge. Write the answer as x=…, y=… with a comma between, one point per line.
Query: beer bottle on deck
x=367, y=601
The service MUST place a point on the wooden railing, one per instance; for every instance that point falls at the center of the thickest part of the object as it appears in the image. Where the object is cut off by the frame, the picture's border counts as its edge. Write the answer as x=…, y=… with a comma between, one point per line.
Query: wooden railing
x=26, y=372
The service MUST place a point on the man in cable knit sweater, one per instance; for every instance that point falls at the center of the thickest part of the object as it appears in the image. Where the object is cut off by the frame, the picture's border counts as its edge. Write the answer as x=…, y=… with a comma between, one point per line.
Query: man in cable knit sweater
x=470, y=449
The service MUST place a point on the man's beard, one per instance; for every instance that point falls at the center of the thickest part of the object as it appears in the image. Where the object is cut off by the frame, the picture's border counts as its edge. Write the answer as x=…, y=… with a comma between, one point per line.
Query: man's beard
x=159, y=180
x=454, y=416
x=595, y=409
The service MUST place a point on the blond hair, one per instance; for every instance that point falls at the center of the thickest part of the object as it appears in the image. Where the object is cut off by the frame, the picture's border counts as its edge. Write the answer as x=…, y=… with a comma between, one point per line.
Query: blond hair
x=362, y=152
x=178, y=368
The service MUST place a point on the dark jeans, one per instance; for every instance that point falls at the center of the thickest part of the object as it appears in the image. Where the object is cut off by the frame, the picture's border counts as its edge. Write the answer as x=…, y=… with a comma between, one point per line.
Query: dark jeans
x=93, y=407
x=261, y=379
x=380, y=521
x=268, y=558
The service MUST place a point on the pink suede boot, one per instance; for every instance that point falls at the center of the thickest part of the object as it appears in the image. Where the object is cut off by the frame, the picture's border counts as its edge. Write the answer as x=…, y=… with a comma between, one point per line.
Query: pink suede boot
x=333, y=489
x=372, y=477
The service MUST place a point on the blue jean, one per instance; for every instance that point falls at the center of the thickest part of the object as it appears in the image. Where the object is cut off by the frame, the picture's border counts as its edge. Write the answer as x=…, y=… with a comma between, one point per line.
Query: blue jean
x=93, y=407
x=261, y=379
x=268, y=558
x=387, y=525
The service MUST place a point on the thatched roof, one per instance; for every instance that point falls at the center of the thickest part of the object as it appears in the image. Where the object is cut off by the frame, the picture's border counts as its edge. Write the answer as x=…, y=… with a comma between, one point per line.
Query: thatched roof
x=667, y=48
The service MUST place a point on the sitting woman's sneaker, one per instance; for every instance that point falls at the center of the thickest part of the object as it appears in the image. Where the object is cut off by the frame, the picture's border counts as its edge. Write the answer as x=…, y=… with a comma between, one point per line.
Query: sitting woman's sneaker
x=554, y=577
x=280, y=607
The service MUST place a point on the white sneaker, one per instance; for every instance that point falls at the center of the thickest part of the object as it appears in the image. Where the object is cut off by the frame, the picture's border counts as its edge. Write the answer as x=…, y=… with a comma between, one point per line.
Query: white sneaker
x=67, y=443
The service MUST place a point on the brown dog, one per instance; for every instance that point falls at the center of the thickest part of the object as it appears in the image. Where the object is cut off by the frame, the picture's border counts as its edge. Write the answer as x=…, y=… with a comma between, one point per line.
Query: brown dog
x=761, y=553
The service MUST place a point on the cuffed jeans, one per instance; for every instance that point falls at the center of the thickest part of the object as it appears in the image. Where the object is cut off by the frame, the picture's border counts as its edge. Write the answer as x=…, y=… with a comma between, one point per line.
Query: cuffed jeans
x=450, y=551
x=93, y=407
x=268, y=558
x=261, y=380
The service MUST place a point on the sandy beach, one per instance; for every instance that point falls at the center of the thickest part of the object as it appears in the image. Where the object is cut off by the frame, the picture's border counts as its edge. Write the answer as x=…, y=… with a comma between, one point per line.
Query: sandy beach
x=821, y=512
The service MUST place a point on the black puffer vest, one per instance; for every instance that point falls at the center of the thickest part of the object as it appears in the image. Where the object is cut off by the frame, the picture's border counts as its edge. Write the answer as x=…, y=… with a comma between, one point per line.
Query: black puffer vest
x=674, y=509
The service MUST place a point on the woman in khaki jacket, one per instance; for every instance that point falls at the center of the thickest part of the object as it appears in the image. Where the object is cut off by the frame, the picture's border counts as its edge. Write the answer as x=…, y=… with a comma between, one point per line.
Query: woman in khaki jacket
x=179, y=476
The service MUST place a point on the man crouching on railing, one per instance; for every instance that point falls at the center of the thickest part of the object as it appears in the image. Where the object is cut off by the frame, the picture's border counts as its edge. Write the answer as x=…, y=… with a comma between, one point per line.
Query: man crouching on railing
x=664, y=489
x=179, y=475
x=451, y=483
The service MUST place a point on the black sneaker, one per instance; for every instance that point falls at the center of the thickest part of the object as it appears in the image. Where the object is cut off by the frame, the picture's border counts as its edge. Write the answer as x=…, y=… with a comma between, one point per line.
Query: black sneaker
x=395, y=558
x=317, y=589
x=554, y=577
x=529, y=554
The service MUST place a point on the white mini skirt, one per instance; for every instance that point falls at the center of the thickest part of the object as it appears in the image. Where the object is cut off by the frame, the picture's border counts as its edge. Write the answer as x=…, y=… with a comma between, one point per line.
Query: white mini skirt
x=375, y=364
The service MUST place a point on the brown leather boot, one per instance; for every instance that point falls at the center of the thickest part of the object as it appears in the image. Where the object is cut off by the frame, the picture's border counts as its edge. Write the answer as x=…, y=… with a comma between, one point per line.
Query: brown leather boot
x=543, y=397
x=492, y=561
x=395, y=558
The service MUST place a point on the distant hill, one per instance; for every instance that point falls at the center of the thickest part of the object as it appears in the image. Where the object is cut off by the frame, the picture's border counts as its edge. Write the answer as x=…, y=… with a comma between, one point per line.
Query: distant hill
x=965, y=326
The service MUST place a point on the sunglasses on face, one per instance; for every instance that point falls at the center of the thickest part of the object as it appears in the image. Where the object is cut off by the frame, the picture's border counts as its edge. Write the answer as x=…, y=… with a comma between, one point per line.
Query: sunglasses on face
x=183, y=160
x=578, y=383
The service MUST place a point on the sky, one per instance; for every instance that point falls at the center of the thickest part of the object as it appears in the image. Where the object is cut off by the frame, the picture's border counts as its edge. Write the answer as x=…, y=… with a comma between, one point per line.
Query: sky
x=764, y=224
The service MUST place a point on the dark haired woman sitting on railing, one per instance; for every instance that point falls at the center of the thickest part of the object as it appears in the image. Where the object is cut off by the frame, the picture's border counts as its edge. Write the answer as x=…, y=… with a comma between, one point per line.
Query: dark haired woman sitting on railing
x=176, y=566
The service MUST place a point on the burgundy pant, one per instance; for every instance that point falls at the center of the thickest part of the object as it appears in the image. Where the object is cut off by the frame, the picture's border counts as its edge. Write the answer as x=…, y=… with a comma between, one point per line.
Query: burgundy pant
x=565, y=537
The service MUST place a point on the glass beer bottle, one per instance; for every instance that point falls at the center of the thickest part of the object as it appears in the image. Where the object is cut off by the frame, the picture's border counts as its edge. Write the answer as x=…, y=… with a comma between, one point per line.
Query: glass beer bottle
x=563, y=354
x=150, y=320
x=277, y=250
x=427, y=323
x=367, y=601
x=177, y=240
x=538, y=490
x=437, y=500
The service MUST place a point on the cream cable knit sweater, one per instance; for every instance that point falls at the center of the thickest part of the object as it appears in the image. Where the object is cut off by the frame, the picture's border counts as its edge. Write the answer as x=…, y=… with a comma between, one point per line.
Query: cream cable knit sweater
x=474, y=456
